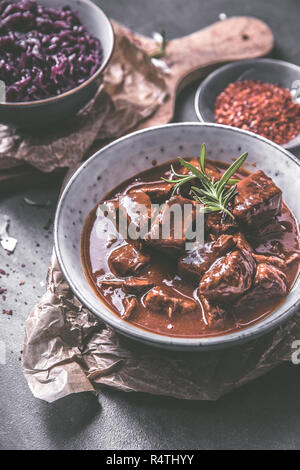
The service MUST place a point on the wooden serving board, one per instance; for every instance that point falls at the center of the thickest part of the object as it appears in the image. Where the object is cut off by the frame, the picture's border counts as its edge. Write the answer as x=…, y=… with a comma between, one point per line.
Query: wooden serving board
x=188, y=58
x=192, y=57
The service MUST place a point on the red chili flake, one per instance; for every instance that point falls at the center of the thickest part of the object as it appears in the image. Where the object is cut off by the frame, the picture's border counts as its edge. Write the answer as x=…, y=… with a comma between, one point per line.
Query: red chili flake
x=258, y=107
x=22, y=265
x=4, y=297
x=2, y=290
x=22, y=283
x=2, y=272
x=7, y=312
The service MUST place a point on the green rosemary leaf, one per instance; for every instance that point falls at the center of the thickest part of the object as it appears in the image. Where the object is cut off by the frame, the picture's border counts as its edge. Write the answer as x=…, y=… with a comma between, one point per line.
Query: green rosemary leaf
x=201, y=191
x=233, y=181
x=231, y=170
x=191, y=168
x=202, y=158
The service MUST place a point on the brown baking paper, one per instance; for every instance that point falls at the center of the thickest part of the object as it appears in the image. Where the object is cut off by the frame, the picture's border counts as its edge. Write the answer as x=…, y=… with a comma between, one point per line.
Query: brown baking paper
x=132, y=90
x=68, y=350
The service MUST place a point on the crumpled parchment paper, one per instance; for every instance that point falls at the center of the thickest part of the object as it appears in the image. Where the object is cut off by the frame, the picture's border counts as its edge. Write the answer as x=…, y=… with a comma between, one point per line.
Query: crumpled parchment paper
x=132, y=90
x=68, y=350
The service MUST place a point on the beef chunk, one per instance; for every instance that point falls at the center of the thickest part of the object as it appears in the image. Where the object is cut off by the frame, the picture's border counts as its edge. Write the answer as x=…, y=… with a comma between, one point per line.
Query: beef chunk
x=198, y=261
x=112, y=205
x=258, y=199
x=157, y=192
x=165, y=300
x=271, y=227
x=127, y=260
x=130, y=305
x=274, y=260
x=195, y=263
x=268, y=276
x=281, y=263
x=117, y=215
x=131, y=285
x=217, y=223
x=241, y=242
x=136, y=210
x=229, y=277
x=269, y=283
x=172, y=241
x=215, y=315
x=292, y=258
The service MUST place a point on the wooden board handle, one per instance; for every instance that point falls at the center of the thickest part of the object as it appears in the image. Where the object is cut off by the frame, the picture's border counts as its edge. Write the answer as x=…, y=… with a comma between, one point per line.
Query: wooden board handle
x=194, y=55
x=232, y=39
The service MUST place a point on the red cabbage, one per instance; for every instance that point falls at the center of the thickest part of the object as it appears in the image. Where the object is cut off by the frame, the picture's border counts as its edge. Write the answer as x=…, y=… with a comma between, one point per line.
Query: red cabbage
x=44, y=51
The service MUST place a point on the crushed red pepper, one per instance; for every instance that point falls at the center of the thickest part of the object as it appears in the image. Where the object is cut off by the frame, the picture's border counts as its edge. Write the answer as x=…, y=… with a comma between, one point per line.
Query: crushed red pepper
x=7, y=312
x=259, y=107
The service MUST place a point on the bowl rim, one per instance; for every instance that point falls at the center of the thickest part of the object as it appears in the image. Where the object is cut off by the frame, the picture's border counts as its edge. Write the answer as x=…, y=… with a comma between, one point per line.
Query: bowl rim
x=233, y=65
x=100, y=69
x=146, y=336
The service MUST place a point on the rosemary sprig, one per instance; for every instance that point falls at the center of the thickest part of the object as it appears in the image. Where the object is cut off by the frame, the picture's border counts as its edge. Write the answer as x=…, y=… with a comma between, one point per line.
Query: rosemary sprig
x=214, y=195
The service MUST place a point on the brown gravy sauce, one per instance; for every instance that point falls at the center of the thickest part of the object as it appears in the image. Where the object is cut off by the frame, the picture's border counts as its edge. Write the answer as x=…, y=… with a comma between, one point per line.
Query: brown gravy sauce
x=164, y=269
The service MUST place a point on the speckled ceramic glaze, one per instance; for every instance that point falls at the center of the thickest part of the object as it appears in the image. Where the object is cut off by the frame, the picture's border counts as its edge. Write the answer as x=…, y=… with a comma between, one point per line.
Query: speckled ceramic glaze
x=138, y=151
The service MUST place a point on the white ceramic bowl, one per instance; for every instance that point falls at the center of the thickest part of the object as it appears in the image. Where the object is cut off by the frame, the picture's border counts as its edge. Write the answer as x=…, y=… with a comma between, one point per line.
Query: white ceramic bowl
x=134, y=153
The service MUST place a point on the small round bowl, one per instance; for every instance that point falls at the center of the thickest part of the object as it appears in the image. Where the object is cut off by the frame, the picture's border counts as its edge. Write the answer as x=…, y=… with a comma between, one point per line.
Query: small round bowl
x=266, y=70
x=134, y=153
x=51, y=110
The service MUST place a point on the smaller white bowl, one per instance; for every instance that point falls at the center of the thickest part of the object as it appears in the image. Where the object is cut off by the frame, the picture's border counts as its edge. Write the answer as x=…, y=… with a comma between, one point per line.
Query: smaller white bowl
x=272, y=71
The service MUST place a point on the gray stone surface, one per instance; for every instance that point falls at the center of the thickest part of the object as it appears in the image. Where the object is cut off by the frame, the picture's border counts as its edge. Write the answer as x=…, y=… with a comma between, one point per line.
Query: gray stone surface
x=263, y=414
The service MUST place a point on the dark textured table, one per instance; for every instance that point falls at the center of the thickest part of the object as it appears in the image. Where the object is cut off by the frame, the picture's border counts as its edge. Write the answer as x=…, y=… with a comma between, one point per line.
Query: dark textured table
x=263, y=414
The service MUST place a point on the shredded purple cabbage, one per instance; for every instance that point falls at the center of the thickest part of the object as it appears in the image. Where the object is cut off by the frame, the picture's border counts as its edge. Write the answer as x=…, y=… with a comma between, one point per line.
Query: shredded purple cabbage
x=44, y=51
